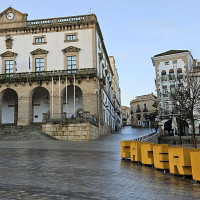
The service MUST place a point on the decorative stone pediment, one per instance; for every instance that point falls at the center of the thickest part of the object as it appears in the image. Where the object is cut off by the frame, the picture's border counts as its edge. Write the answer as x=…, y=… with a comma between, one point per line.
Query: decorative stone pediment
x=39, y=52
x=12, y=18
x=70, y=49
x=9, y=54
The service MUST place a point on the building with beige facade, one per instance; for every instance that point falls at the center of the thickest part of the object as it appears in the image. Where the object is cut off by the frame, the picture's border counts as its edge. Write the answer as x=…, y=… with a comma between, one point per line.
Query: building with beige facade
x=169, y=66
x=56, y=71
x=126, y=115
x=116, y=95
x=143, y=111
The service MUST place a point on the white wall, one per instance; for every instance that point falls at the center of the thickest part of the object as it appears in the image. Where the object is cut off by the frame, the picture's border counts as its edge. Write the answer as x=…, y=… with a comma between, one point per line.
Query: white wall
x=22, y=45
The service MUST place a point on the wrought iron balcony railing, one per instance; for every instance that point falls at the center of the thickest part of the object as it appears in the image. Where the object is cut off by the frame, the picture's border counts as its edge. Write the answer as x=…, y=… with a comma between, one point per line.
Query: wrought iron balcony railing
x=47, y=75
x=74, y=120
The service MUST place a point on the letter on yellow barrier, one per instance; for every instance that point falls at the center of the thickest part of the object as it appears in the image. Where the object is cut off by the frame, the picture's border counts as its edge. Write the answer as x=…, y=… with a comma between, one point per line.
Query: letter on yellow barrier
x=195, y=162
x=125, y=149
x=179, y=160
x=136, y=151
x=160, y=156
x=147, y=153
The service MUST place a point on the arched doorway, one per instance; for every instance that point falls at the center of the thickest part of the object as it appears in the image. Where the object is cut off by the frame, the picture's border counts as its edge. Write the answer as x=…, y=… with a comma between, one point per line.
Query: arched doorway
x=69, y=108
x=40, y=103
x=183, y=128
x=9, y=106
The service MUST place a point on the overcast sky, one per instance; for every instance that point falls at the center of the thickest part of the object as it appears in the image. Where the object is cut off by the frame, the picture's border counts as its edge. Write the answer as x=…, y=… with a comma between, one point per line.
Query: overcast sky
x=133, y=31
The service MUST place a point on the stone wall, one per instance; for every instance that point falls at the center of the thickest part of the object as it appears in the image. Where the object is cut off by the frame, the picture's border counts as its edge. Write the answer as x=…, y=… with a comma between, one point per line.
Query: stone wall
x=79, y=131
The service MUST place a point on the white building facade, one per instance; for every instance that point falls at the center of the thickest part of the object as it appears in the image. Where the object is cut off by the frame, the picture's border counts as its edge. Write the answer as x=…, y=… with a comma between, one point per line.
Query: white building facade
x=54, y=68
x=169, y=66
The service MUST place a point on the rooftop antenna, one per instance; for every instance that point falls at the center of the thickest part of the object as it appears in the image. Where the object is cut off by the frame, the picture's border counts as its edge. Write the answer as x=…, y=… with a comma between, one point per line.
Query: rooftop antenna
x=90, y=11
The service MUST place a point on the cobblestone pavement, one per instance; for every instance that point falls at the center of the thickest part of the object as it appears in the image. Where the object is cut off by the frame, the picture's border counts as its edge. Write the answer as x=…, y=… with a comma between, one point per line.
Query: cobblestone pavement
x=84, y=171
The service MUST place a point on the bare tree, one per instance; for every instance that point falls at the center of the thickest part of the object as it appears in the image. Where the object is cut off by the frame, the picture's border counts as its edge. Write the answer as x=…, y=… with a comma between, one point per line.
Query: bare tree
x=185, y=99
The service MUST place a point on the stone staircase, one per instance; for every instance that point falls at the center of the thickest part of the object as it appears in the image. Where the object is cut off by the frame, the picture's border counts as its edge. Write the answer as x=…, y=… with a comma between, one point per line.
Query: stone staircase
x=20, y=133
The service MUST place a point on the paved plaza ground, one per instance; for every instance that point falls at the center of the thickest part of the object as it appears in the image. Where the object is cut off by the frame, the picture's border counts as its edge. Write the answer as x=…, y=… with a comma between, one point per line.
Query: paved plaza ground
x=51, y=169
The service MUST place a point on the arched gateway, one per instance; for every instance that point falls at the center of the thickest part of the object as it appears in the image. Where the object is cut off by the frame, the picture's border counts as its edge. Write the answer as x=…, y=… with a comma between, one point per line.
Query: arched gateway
x=9, y=112
x=40, y=103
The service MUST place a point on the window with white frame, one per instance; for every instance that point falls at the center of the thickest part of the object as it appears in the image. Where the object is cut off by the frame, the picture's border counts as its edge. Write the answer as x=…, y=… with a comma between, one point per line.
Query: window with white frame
x=9, y=64
x=71, y=64
x=39, y=64
x=39, y=40
x=71, y=37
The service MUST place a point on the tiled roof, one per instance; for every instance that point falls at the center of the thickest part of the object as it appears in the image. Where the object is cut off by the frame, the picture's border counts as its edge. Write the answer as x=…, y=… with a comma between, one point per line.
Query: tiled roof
x=171, y=52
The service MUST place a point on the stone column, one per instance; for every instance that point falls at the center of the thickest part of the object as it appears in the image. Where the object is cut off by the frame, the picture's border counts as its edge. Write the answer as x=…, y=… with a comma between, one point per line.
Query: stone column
x=24, y=114
x=57, y=100
x=1, y=97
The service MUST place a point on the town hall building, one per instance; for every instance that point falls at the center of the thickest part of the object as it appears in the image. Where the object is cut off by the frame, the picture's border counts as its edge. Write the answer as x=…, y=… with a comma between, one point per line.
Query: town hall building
x=56, y=72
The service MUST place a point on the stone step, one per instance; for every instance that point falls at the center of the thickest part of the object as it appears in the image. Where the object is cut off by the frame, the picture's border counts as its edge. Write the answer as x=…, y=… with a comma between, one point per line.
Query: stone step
x=19, y=133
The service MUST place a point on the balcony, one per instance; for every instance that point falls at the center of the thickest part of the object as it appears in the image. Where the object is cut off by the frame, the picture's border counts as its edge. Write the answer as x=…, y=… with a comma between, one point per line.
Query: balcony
x=145, y=110
x=171, y=77
x=164, y=78
x=47, y=75
x=180, y=76
x=138, y=110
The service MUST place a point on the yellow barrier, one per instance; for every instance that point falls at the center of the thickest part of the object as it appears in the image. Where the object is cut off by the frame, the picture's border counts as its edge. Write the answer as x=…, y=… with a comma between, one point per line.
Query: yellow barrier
x=195, y=162
x=136, y=151
x=147, y=153
x=160, y=156
x=125, y=149
x=179, y=160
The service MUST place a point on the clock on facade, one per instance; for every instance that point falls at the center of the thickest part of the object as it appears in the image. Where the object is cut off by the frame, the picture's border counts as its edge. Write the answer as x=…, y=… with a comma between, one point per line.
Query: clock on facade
x=10, y=16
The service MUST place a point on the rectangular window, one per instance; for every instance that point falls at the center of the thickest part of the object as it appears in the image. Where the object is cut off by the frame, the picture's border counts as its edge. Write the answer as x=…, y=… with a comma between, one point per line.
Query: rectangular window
x=71, y=64
x=39, y=40
x=9, y=64
x=174, y=61
x=71, y=37
x=165, y=91
x=167, y=63
x=39, y=64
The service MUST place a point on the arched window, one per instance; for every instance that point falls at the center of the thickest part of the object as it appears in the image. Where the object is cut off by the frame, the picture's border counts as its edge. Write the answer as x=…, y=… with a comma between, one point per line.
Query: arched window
x=163, y=73
x=179, y=70
x=179, y=73
x=171, y=74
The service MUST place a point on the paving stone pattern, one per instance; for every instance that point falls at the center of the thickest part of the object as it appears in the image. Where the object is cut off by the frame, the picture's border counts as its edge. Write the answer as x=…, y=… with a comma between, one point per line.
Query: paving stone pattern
x=51, y=169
